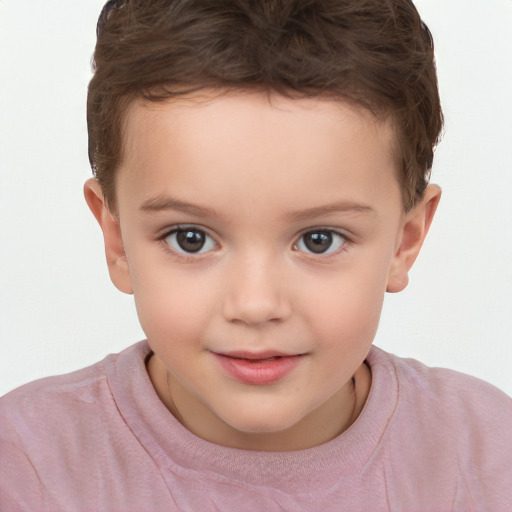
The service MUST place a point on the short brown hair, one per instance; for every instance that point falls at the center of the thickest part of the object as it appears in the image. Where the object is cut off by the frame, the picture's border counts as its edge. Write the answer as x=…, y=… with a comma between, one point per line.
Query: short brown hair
x=376, y=53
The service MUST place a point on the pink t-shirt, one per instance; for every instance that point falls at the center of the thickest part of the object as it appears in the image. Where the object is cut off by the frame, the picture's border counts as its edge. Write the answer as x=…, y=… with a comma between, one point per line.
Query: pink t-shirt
x=100, y=440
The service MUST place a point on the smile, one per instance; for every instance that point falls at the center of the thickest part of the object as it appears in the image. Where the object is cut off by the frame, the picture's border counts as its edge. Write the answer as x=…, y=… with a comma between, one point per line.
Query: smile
x=257, y=369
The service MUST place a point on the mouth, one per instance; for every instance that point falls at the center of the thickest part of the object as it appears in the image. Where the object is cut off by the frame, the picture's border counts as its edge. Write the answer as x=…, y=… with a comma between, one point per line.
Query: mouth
x=256, y=356
x=258, y=368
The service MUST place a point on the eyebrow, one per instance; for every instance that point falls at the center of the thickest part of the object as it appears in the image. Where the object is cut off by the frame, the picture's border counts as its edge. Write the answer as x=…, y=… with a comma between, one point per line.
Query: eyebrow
x=164, y=203
x=333, y=208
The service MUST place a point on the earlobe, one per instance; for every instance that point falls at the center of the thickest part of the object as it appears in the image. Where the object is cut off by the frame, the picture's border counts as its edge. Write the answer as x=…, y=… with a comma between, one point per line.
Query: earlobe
x=114, y=249
x=412, y=234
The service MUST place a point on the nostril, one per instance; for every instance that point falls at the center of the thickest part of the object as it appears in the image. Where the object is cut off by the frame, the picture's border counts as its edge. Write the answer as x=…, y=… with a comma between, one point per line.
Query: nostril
x=254, y=313
x=255, y=296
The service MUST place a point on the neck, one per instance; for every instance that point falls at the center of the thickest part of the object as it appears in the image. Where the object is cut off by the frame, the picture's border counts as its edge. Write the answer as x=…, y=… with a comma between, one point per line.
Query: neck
x=318, y=427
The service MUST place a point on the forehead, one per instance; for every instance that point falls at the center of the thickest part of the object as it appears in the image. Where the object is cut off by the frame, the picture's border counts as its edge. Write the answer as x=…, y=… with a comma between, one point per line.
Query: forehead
x=219, y=106
x=248, y=139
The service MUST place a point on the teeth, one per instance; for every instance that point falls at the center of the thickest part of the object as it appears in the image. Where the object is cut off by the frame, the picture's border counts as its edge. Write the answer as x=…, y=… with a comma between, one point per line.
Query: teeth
x=273, y=358
x=258, y=360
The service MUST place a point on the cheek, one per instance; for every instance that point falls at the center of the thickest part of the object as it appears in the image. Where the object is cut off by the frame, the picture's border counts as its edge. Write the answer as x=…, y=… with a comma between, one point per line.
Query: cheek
x=170, y=306
x=346, y=310
x=352, y=317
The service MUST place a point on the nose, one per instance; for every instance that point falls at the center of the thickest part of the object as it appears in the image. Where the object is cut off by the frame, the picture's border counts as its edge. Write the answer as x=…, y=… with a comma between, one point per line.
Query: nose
x=256, y=292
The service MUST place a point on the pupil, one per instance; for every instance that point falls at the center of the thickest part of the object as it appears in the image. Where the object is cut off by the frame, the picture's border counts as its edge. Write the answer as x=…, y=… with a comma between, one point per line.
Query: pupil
x=318, y=242
x=190, y=241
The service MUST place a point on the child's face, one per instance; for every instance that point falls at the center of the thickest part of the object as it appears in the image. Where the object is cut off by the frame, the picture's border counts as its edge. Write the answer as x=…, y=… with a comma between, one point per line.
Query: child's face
x=254, y=230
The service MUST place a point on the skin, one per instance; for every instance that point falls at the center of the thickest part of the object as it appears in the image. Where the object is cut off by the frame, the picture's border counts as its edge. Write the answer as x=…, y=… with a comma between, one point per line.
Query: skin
x=257, y=173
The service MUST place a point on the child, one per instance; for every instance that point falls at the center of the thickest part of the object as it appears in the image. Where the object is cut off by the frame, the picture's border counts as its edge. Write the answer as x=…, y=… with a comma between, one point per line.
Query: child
x=261, y=179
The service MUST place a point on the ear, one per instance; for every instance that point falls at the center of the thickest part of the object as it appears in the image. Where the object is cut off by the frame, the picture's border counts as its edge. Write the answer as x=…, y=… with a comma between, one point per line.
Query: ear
x=109, y=223
x=414, y=229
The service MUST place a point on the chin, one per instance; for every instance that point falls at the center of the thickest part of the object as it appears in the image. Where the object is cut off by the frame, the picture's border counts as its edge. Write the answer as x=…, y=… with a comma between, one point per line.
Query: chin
x=261, y=424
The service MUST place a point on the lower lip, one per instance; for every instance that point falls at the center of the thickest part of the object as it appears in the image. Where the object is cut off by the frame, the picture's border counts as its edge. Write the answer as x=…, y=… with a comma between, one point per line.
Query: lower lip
x=258, y=372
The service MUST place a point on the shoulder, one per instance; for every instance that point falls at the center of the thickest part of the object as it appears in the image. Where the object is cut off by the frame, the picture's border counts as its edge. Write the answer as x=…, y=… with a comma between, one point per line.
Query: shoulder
x=442, y=389
x=59, y=435
x=44, y=413
x=453, y=427
x=47, y=405
x=59, y=391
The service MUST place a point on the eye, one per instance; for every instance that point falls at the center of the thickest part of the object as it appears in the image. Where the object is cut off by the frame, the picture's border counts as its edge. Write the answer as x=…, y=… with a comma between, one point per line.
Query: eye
x=189, y=240
x=321, y=241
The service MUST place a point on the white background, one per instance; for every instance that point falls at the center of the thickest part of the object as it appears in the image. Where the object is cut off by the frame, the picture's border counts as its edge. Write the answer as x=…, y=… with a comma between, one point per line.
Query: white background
x=58, y=309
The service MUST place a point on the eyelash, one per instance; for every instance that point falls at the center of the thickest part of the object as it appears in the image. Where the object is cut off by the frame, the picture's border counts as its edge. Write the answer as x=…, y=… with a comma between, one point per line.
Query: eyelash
x=343, y=240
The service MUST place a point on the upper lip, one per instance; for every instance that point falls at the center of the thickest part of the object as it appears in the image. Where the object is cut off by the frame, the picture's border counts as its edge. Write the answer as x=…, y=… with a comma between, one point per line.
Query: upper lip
x=267, y=354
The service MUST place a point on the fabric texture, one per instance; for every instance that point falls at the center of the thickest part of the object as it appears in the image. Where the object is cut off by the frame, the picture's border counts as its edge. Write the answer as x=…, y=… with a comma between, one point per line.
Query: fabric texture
x=99, y=439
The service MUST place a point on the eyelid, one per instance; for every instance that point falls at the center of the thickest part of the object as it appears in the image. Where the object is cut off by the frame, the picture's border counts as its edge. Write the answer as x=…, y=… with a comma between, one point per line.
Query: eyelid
x=168, y=230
